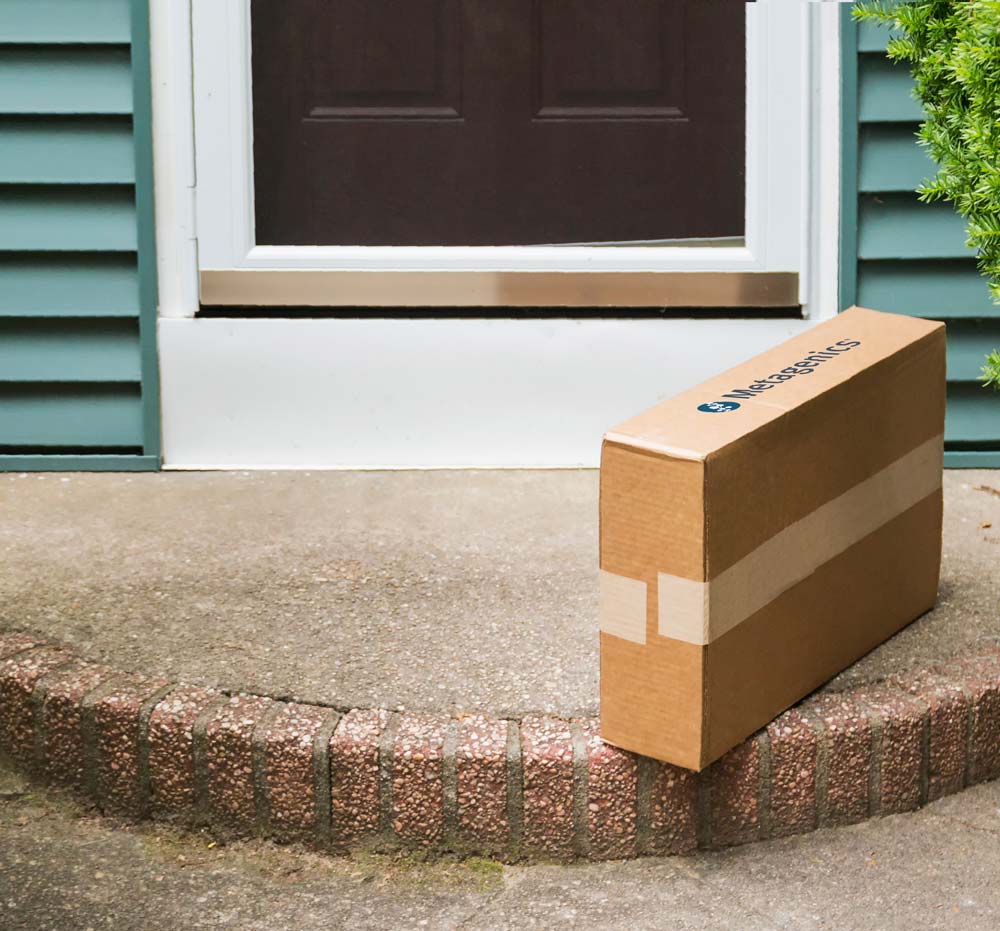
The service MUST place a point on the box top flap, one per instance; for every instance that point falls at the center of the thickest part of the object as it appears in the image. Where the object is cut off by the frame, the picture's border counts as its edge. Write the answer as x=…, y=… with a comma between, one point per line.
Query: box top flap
x=698, y=422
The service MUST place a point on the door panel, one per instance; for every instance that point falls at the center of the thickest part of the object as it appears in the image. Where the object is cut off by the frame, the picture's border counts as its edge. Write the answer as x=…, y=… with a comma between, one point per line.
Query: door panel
x=390, y=59
x=592, y=61
x=497, y=122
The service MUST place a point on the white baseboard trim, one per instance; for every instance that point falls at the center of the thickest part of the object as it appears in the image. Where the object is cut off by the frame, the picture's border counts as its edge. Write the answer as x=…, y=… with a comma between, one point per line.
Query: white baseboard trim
x=270, y=394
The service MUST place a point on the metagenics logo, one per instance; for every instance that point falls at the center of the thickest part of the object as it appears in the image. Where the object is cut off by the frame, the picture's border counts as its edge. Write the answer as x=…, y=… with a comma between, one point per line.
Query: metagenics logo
x=718, y=407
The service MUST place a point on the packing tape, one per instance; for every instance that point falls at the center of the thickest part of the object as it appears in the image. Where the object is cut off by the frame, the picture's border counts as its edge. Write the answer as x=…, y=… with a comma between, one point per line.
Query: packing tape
x=622, y=607
x=700, y=612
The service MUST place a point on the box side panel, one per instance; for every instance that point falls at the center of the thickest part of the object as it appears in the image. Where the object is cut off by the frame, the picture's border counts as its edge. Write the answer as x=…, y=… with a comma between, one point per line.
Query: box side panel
x=813, y=631
x=652, y=520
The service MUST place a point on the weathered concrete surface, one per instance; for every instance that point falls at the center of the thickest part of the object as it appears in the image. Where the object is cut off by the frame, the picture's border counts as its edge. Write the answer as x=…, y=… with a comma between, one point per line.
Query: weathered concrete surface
x=63, y=868
x=428, y=590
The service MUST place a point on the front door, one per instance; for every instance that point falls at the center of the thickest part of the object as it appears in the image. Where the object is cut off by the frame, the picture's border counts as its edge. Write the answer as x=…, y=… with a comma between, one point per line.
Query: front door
x=497, y=122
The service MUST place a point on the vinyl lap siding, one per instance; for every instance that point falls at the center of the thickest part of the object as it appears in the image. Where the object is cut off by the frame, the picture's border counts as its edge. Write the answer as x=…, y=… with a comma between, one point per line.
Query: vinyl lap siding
x=900, y=255
x=78, y=385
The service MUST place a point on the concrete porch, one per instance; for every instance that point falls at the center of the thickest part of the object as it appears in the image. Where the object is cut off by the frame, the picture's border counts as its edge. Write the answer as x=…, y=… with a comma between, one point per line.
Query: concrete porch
x=430, y=591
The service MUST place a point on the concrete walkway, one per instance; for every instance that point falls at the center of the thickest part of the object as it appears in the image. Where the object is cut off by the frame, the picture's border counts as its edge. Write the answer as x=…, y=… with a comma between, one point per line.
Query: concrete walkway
x=63, y=869
x=427, y=590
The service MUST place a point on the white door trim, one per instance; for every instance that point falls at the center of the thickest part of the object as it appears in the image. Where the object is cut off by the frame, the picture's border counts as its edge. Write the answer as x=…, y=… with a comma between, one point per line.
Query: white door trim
x=780, y=92
x=173, y=157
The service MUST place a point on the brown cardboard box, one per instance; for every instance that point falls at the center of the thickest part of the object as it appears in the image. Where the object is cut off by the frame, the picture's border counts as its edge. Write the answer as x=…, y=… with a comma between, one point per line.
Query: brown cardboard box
x=761, y=532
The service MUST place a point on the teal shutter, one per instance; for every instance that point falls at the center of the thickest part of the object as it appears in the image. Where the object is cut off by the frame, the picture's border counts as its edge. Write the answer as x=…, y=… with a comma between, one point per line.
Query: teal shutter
x=78, y=372
x=900, y=255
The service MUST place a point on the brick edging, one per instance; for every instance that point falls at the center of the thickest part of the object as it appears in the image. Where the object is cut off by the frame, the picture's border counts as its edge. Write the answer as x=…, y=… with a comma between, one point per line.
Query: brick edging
x=542, y=786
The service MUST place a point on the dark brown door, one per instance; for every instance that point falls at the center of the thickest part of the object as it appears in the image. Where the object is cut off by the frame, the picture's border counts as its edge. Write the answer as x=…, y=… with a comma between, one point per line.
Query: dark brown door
x=497, y=122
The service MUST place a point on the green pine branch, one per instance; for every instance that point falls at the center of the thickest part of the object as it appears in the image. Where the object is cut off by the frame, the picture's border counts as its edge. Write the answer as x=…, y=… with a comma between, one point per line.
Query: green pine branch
x=953, y=49
x=991, y=370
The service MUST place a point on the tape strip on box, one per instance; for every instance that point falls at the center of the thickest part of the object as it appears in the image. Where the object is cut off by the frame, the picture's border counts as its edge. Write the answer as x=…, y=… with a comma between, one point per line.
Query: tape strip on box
x=622, y=608
x=700, y=612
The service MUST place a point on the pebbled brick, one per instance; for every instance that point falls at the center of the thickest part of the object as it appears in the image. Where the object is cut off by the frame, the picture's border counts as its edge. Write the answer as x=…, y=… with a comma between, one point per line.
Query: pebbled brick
x=547, y=747
x=612, y=797
x=847, y=738
x=354, y=776
x=979, y=677
x=229, y=754
x=18, y=677
x=673, y=810
x=734, y=796
x=289, y=775
x=901, y=749
x=947, y=726
x=62, y=722
x=418, y=779
x=172, y=778
x=481, y=792
x=794, y=750
x=116, y=729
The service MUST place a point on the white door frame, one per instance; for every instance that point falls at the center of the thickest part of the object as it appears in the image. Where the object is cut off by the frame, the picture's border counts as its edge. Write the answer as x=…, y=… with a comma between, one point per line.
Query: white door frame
x=782, y=169
x=224, y=130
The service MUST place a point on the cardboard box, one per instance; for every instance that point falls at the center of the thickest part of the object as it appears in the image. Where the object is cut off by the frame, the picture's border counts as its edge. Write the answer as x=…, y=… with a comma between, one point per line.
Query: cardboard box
x=763, y=531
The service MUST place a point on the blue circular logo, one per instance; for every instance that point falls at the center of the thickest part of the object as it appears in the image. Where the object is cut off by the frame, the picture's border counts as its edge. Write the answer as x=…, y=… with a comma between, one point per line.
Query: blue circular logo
x=718, y=407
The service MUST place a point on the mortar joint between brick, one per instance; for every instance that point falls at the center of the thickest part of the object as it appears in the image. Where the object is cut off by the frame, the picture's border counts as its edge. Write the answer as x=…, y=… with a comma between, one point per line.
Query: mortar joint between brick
x=703, y=829
x=515, y=789
x=386, y=767
x=258, y=760
x=643, y=804
x=822, y=769
x=581, y=779
x=88, y=704
x=145, y=713
x=199, y=752
x=449, y=783
x=968, y=774
x=321, y=777
x=876, y=729
x=810, y=722
x=925, y=756
x=765, y=820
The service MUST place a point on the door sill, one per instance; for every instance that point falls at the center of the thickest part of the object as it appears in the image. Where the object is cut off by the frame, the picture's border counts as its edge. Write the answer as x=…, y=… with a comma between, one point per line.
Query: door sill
x=334, y=288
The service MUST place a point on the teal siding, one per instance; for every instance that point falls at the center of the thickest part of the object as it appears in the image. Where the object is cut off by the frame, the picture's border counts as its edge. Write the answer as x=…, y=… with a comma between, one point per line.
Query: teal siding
x=898, y=226
x=889, y=161
x=74, y=22
x=78, y=379
x=65, y=79
x=900, y=255
x=884, y=91
x=66, y=150
x=78, y=218
x=50, y=415
x=81, y=284
x=88, y=351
